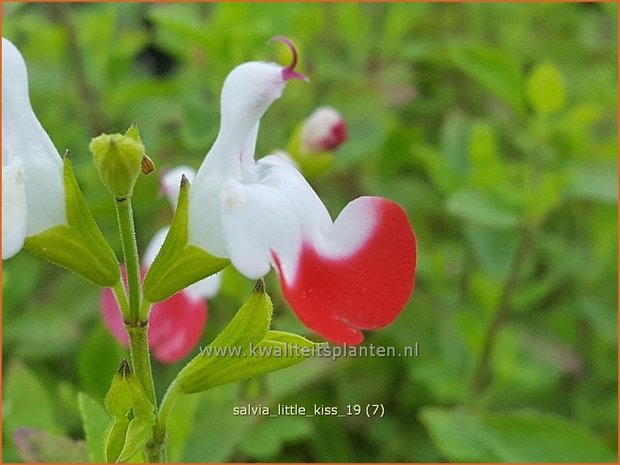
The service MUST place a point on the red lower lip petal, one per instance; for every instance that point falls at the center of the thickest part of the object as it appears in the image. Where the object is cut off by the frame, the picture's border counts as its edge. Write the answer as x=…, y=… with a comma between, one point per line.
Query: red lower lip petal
x=366, y=290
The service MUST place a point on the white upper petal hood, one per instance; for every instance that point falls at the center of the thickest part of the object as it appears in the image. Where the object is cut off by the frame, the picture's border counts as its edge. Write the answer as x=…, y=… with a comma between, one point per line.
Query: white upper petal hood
x=257, y=213
x=24, y=139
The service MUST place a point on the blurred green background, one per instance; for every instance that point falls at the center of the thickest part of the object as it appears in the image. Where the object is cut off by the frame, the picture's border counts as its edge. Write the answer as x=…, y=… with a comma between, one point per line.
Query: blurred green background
x=493, y=125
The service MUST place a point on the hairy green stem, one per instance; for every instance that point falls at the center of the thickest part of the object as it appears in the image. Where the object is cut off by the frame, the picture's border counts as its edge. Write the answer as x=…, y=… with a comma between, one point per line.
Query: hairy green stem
x=130, y=251
x=121, y=297
x=136, y=325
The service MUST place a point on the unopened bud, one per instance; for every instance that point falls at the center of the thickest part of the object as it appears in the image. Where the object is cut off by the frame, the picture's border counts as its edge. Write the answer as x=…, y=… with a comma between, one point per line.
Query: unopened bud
x=119, y=159
x=324, y=130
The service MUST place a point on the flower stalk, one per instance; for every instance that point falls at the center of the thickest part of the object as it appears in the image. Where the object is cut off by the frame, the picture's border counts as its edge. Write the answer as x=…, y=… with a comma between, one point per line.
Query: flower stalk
x=124, y=214
x=137, y=326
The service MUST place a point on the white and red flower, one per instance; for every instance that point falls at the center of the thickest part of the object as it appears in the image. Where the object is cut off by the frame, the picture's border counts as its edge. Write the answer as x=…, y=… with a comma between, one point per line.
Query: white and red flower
x=323, y=130
x=340, y=277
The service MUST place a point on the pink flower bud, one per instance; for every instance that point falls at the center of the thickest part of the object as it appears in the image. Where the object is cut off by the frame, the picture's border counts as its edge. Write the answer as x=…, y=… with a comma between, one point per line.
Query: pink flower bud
x=323, y=130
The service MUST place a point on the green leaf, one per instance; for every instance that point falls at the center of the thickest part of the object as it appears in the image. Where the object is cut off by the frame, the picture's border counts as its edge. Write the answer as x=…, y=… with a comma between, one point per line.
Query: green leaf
x=95, y=421
x=545, y=89
x=177, y=265
x=522, y=436
x=216, y=432
x=180, y=425
x=22, y=391
x=79, y=245
x=496, y=71
x=481, y=208
x=458, y=436
x=246, y=348
x=268, y=438
x=40, y=446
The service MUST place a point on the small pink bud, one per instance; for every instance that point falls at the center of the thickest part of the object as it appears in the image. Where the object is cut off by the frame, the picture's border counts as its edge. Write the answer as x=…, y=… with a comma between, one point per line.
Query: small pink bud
x=323, y=130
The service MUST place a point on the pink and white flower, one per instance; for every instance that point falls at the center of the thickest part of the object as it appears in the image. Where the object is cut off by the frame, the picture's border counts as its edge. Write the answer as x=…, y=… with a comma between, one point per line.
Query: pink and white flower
x=323, y=130
x=340, y=277
x=177, y=323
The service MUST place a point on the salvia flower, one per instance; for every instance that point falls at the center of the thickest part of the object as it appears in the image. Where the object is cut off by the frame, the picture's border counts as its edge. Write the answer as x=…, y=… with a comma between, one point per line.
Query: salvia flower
x=340, y=277
x=33, y=194
x=43, y=208
x=324, y=130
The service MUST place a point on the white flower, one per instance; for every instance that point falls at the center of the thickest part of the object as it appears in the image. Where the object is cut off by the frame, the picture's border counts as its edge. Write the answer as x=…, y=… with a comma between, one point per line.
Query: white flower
x=33, y=196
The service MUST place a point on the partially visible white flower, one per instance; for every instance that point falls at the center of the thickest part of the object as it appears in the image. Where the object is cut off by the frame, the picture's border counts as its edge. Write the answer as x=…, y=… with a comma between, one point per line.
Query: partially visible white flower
x=33, y=195
x=323, y=130
x=13, y=208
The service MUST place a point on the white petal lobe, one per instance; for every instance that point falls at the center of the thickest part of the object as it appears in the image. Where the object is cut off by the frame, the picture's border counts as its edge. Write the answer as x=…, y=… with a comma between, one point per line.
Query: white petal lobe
x=154, y=247
x=13, y=208
x=205, y=288
x=258, y=220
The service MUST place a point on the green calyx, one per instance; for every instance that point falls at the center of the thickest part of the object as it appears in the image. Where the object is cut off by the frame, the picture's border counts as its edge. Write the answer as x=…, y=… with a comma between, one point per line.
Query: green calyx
x=178, y=263
x=78, y=245
x=119, y=160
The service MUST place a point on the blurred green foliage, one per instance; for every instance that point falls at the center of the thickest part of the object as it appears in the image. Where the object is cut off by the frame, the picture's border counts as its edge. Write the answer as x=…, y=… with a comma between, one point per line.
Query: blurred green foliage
x=494, y=125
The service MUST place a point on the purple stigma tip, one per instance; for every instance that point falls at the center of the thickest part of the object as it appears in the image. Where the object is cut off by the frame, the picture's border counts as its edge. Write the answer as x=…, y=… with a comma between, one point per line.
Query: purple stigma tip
x=289, y=72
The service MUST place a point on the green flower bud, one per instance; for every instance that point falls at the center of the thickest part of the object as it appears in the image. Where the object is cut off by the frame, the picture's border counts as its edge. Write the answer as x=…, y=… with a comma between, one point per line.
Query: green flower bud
x=119, y=158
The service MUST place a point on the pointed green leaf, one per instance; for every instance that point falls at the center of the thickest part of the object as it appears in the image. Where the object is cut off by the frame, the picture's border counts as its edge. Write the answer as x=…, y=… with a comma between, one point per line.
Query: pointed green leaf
x=118, y=400
x=246, y=348
x=79, y=245
x=179, y=264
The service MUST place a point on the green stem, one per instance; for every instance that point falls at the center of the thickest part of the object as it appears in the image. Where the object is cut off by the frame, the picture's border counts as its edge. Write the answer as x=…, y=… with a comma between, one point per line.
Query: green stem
x=140, y=358
x=481, y=372
x=121, y=297
x=130, y=251
x=136, y=325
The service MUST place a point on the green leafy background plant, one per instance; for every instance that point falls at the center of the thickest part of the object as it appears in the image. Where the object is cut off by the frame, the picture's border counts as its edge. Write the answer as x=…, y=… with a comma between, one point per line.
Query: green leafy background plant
x=494, y=125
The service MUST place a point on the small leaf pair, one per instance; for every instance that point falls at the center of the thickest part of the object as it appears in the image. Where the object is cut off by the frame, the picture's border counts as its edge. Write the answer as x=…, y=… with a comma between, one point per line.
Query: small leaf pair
x=246, y=348
x=133, y=417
